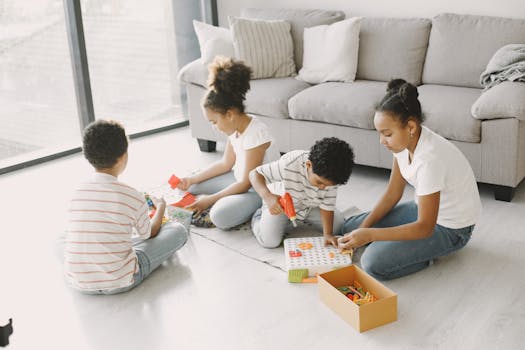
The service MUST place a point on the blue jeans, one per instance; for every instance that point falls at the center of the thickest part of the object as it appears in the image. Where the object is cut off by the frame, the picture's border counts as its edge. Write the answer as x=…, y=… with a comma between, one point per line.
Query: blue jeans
x=392, y=259
x=228, y=211
x=151, y=253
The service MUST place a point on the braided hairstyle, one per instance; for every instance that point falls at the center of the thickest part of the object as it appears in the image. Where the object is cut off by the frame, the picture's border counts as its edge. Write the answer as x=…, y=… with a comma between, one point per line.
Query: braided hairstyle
x=228, y=83
x=401, y=101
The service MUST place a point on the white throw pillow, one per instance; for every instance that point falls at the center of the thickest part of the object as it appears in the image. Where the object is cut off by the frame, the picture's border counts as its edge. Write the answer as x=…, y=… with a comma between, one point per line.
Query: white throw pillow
x=265, y=46
x=213, y=41
x=331, y=52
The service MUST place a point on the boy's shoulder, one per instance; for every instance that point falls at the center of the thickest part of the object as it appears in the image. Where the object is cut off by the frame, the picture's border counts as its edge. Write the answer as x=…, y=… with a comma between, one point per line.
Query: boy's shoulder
x=296, y=156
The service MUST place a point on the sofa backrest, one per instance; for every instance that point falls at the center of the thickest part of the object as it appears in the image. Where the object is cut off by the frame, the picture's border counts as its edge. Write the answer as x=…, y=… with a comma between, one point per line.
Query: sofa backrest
x=299, y=19
x=392, y=48
x=460, y=47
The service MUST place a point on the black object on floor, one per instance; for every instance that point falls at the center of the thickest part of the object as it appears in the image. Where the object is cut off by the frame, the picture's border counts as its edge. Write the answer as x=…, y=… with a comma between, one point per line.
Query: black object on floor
x=5, y=332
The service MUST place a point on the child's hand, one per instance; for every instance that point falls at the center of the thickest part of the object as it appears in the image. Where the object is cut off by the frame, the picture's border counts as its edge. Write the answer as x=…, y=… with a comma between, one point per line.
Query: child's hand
x=272, y=202
x=185, y=183
x=355, y=239
x=330, y=239
x=159, y=202
x=202, y=203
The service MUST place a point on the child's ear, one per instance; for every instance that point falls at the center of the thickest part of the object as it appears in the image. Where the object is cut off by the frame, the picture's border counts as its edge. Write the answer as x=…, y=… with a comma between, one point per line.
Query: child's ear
x=308, y=164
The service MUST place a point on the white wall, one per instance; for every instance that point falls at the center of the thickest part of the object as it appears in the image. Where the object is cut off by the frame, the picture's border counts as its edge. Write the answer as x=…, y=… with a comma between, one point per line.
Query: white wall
x=383, y=8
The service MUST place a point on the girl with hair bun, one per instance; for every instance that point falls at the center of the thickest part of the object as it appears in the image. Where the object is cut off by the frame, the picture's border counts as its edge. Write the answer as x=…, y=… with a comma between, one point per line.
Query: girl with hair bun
x=406, y=238
x=225, y=186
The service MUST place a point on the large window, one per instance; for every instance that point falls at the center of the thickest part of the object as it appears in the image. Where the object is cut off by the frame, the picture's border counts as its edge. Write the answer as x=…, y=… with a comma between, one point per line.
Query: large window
x=37, y=97
x=132, y=62
x=134, y=50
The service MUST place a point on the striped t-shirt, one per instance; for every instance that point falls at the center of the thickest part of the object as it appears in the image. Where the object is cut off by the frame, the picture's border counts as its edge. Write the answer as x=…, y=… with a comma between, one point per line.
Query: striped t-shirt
x=102, y=217
x=291, y=171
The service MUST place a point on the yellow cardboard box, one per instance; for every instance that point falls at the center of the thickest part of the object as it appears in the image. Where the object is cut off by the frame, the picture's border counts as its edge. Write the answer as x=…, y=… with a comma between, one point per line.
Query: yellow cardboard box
x=363, y=317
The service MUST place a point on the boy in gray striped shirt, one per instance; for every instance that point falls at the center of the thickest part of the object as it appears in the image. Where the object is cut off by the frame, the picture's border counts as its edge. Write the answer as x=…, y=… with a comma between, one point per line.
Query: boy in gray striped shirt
x=312, y=178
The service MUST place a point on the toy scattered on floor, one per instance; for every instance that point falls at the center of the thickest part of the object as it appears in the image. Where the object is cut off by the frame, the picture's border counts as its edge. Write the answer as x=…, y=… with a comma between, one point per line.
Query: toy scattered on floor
x=180, y=215
x=310, y=254
x=286, y=203
x=357, y=294
x=202, y=219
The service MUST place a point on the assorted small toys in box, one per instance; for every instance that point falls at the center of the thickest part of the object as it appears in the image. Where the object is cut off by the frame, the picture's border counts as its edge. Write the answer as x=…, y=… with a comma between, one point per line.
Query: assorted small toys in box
x=357, y=294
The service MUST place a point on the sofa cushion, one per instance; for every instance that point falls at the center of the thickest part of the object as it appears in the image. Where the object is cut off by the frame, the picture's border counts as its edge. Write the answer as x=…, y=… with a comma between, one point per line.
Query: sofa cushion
x=330, y=52
x=299, y=19
x=213, y=41
x=269, y=97
x=195, y=72
x=447, y=111
x=339, y=103
x=392, y=48
x=505, y=100
x=265, y=46
x=460, y=46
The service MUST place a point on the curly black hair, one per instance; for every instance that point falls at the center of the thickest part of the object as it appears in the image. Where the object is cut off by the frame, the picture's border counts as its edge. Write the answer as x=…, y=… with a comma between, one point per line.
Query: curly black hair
x=332, y=159
x=103, y=143
x=228, y=82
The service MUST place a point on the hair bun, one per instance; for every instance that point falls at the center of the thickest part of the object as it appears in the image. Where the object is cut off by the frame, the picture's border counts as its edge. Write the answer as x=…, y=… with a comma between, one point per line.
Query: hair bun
x=394, y=85
x=408, y=92
x=229, y=77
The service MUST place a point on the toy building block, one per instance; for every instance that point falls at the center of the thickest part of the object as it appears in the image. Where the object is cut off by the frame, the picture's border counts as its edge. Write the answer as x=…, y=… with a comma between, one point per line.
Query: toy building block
x=174, y=181
x=297, y=276
x=186, y=200
x=286, y=202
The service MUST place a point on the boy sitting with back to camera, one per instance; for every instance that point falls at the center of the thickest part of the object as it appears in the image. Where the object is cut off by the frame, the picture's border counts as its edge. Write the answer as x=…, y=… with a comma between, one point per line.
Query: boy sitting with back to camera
x=312, y=179
x=100, y=254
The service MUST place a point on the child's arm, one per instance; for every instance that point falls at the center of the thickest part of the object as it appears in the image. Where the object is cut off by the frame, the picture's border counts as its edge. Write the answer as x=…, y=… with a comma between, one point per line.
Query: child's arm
x=259, y=185
x=327, y=219
x=156, y=220
x=218, y=168
x=392, y=195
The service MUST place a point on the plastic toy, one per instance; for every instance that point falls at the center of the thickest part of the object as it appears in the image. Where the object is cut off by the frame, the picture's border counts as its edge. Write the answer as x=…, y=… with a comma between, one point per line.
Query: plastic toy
x=357, y=294
x=311, y=254
x=286, y=203
x=174, y=181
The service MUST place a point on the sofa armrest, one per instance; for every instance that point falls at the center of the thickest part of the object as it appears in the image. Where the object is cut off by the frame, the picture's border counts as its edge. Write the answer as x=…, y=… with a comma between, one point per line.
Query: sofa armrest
x=195, y=72
x=505, y=100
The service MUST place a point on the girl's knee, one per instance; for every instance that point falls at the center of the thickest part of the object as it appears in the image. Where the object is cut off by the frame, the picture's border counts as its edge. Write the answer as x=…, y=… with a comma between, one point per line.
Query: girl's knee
x=373, y=266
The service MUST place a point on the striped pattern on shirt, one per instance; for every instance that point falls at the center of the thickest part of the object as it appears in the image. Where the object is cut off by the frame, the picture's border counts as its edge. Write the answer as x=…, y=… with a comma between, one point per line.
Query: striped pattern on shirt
x=103, y=214
x=291, y=170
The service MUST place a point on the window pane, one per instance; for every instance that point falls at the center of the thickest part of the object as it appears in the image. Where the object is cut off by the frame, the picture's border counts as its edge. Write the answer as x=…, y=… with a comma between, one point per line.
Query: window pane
x=38, y=113
x=133, y=67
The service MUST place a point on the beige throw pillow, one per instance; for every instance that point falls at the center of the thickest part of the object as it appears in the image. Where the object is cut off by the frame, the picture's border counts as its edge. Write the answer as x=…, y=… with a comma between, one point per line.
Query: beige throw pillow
x=331, y=52
x=265, y=46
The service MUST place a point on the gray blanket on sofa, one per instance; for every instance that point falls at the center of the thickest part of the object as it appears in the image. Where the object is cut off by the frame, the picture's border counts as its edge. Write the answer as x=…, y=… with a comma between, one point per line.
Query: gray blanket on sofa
x=507, y=64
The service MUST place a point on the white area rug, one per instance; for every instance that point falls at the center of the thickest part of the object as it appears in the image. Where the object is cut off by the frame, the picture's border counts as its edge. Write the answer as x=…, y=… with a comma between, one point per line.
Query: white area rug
x=242, y=241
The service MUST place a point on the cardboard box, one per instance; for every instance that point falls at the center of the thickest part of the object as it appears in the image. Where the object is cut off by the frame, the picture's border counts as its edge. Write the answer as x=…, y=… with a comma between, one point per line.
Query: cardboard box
x=364, y=317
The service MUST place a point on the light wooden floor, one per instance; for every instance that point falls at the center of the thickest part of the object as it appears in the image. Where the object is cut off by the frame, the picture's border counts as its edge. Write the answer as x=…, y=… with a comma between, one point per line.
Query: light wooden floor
x=210, y=297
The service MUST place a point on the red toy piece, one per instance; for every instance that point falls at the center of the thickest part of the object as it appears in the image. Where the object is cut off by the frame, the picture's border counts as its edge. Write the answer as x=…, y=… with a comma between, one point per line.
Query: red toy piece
x=186, y=200
x=295, y=253
x=286, y=203
x=174, y=181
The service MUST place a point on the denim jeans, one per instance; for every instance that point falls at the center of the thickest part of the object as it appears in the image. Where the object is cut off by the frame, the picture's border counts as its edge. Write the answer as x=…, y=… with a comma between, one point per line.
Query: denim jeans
x=269, y=229
x=392, y=259
x=232, y=210
x=151, y=253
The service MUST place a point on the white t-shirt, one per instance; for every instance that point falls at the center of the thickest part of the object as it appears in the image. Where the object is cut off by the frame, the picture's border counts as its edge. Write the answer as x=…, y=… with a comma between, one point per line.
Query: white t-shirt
x=439, y=166
x=255, y=134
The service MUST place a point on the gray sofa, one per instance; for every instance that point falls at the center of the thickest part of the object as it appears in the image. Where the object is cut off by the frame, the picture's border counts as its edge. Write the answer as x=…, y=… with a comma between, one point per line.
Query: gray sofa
x=444, y=56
